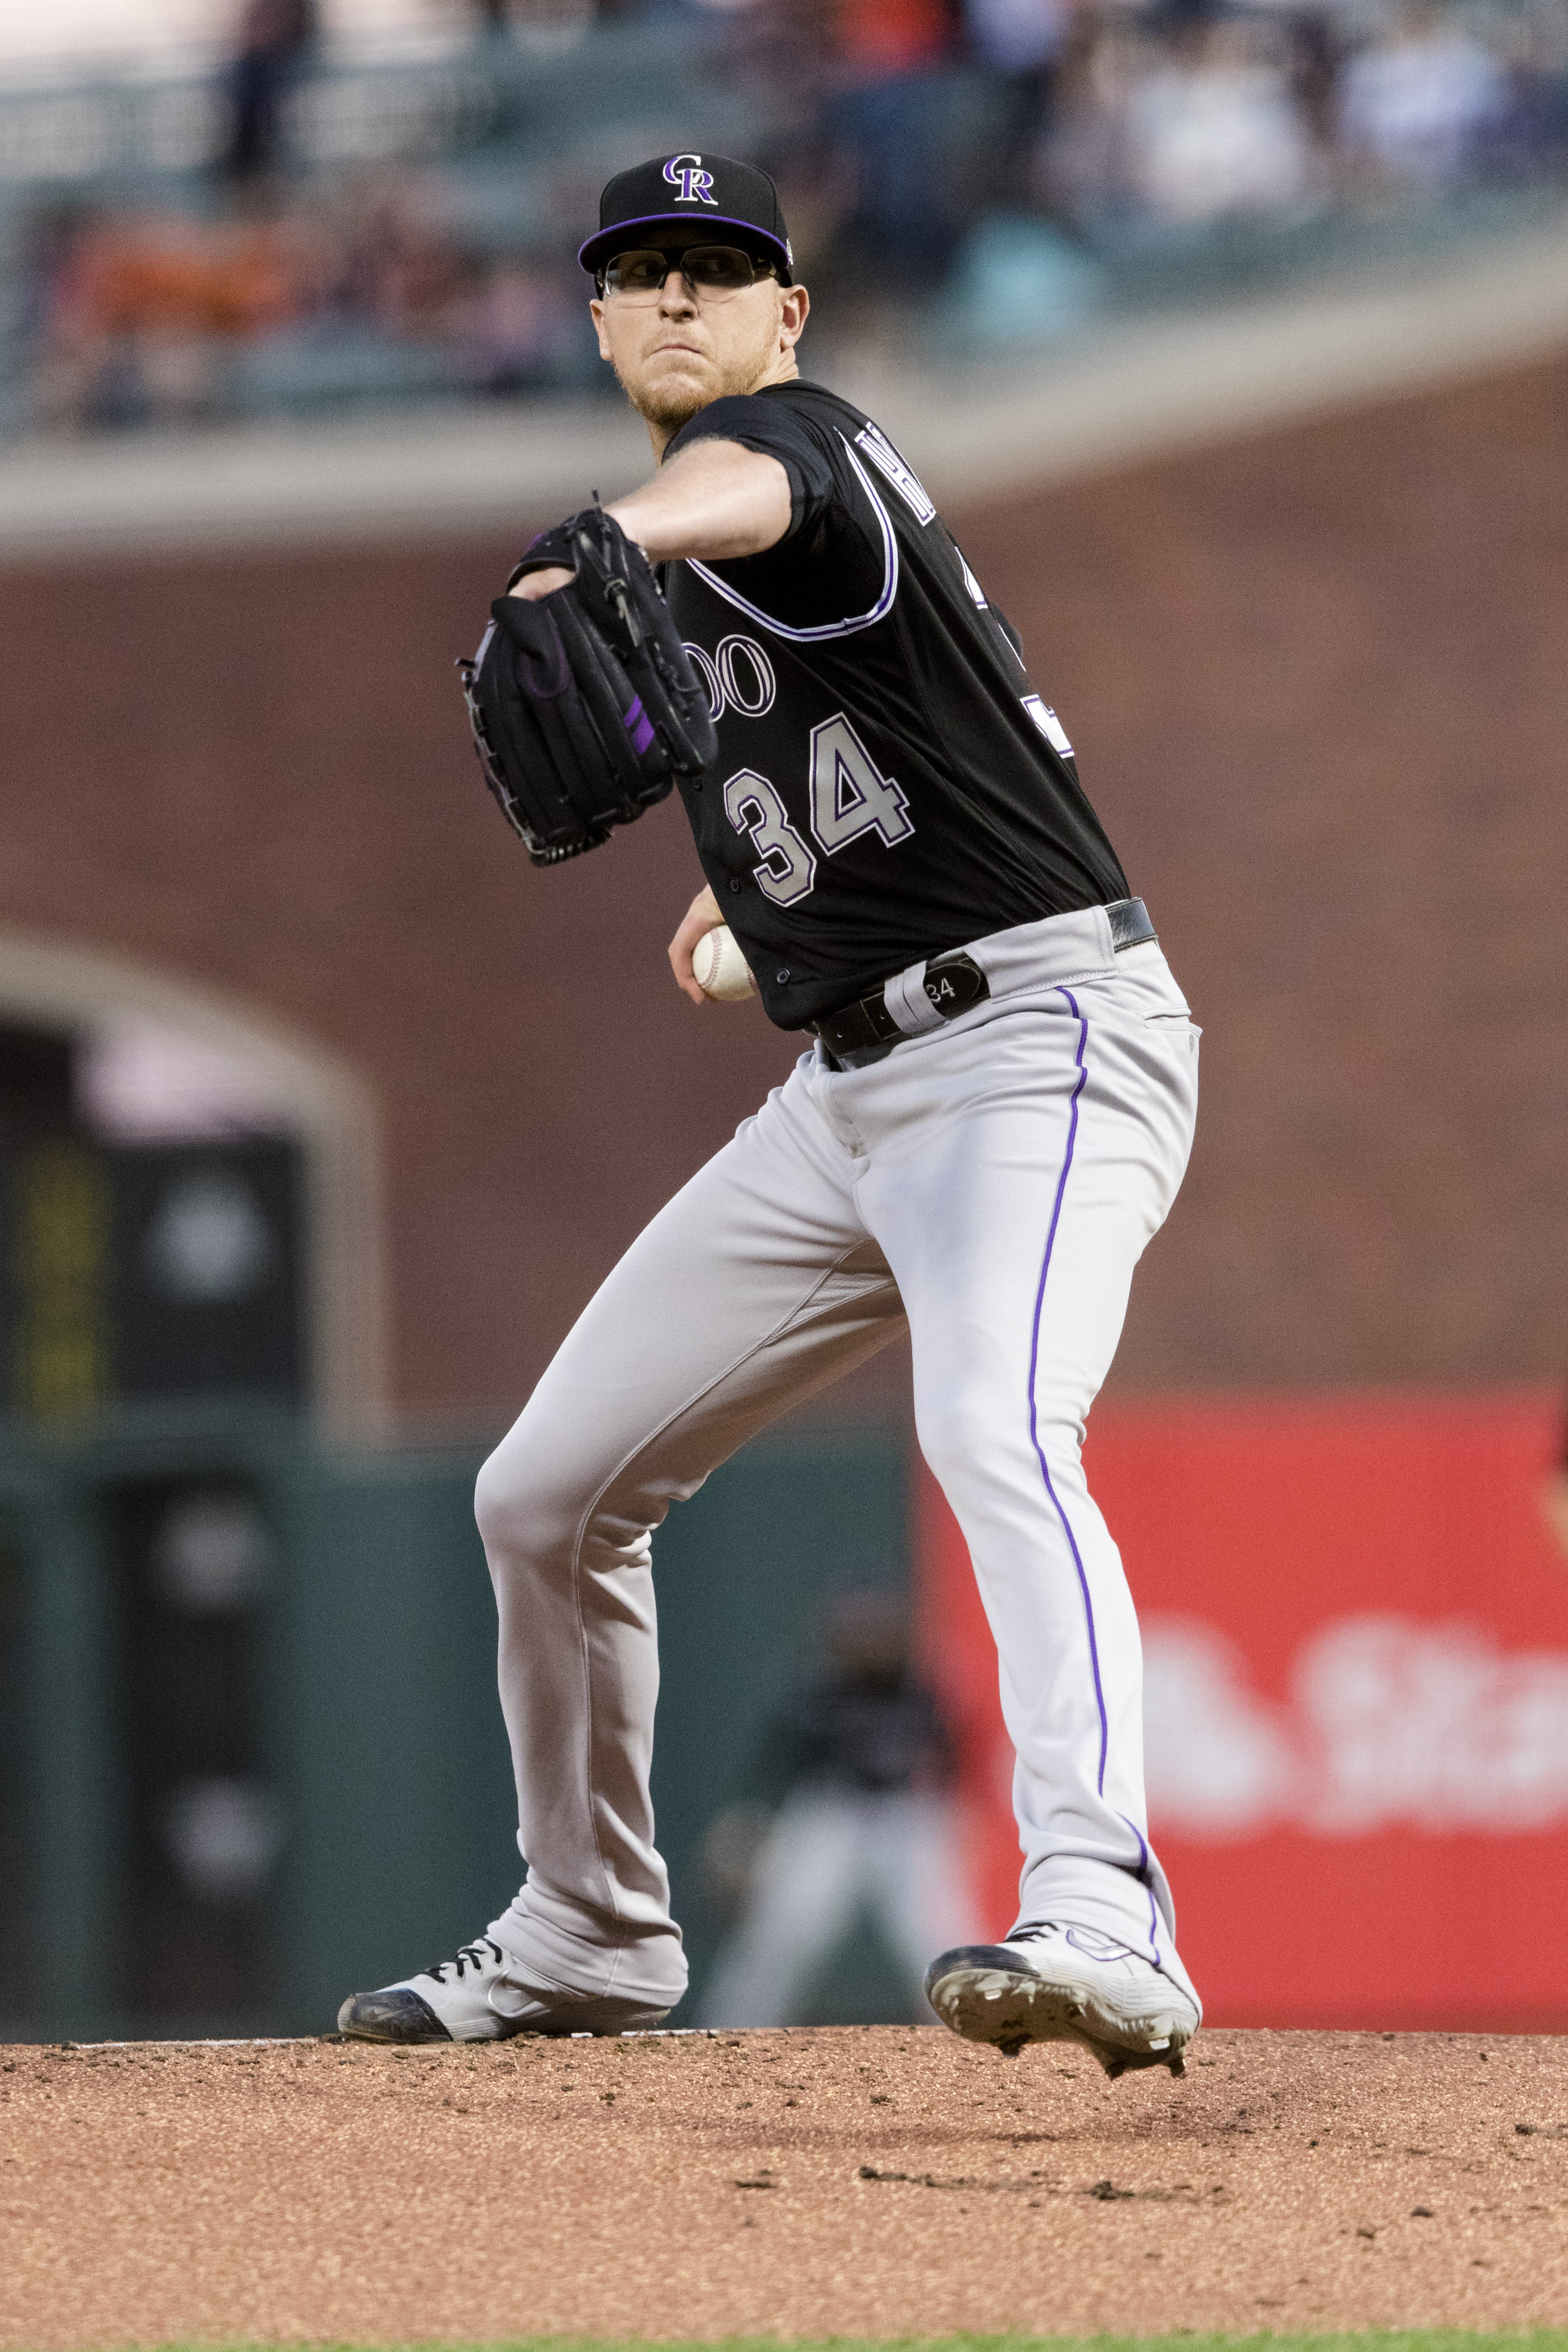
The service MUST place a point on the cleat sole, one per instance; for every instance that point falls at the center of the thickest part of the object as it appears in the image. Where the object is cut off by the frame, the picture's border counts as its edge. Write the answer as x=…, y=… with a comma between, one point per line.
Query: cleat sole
x=978, y=1997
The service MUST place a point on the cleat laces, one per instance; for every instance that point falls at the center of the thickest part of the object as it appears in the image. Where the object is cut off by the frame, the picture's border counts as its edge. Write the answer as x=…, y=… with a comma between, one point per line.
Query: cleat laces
x=472, y=1956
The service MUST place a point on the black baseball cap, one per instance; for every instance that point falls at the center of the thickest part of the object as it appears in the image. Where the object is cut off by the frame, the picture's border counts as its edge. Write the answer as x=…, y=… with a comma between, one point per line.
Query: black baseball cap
x=685, y=191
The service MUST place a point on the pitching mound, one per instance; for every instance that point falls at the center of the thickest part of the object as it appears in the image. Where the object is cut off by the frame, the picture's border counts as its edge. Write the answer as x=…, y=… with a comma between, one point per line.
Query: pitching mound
x=862, y=2182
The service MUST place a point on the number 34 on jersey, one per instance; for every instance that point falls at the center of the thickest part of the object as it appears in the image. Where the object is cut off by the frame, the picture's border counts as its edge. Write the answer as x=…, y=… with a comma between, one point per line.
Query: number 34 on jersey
x=847, y=796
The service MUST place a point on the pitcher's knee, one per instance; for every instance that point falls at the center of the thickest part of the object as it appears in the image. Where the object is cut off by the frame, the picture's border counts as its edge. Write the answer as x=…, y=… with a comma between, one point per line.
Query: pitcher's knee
x=524, y=1508
x=974, y=1446
x=965, y=1435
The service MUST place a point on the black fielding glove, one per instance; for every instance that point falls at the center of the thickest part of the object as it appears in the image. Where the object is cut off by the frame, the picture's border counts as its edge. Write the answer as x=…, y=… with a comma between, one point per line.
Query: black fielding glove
x=584, y=705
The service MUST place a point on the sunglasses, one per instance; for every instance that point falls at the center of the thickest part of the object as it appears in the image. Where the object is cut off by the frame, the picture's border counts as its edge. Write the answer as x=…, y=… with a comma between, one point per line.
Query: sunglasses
x=714, y=270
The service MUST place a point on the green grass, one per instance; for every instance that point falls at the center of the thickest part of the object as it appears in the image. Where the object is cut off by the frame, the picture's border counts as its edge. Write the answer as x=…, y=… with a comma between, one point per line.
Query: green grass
x=1371, y=2339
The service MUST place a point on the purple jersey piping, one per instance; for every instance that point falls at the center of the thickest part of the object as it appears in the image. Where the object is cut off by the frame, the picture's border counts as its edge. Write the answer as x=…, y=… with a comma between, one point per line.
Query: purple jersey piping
x=879, y=610
x=1034, y=1366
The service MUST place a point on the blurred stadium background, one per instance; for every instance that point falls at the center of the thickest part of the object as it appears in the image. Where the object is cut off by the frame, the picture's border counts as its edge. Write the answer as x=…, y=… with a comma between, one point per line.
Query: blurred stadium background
x=1232, y=338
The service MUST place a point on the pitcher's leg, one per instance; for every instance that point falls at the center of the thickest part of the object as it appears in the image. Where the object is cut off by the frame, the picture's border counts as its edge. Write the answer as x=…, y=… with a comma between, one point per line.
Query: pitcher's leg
x=1015, y=1257
x=756, y=1285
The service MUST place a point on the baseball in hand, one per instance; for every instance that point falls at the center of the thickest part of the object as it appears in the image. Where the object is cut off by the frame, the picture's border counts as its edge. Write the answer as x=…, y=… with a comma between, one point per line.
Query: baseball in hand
x=721, y=970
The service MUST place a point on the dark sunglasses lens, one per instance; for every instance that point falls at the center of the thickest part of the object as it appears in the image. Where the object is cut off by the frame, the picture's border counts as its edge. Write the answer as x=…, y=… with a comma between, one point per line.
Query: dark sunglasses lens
x=717, y=269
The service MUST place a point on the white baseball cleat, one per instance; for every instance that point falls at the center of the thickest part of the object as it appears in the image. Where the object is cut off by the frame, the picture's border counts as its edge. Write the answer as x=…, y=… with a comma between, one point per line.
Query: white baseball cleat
x=484, y=1994
x=1064, y=1984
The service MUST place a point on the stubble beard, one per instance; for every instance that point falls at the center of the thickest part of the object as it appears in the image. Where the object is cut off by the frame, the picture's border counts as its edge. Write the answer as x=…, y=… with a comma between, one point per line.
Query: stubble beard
x=670, y=406
x=667, y=410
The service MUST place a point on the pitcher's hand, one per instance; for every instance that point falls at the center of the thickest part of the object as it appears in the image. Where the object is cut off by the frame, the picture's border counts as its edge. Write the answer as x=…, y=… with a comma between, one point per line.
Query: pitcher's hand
x=535, y=585
x=700, y=916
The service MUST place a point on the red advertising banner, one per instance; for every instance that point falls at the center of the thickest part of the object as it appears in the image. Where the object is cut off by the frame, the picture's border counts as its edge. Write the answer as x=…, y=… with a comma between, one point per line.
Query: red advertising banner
x=1356, y=1628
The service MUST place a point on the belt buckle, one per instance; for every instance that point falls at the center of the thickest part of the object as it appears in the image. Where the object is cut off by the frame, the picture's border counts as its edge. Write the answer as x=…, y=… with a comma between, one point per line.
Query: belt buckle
x=953, y=983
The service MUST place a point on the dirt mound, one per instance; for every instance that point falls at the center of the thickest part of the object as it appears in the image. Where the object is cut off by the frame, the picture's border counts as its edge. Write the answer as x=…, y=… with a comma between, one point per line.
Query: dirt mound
x=869, y=2181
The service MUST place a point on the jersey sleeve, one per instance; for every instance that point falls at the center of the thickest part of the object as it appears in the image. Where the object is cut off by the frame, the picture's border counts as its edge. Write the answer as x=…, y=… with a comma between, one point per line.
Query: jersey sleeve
x=773, y=430
x=831, y=565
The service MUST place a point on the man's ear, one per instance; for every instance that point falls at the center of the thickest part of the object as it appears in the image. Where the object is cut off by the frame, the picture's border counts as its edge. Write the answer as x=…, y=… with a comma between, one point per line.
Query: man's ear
x=793, y=308
x=596, y=312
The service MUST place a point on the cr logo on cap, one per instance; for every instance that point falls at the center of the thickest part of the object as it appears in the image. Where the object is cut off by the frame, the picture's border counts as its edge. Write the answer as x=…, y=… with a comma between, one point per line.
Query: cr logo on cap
x=696, y=185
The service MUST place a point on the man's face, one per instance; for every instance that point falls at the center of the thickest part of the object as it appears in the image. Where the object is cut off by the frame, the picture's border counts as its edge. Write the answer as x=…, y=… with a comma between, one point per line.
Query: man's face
x=673, y=354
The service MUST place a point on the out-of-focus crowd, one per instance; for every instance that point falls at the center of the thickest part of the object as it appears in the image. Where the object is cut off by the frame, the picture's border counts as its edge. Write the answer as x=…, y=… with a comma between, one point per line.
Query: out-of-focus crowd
x=361, y=294
x=1009, y=155
x=1100, y=112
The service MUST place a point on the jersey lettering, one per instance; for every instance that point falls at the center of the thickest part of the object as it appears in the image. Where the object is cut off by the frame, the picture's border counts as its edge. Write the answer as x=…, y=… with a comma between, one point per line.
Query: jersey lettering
x=850, y=793
x=888, y=462
x=702, y=662
x=749, y=689
x=1049, y=725
x=787, y=869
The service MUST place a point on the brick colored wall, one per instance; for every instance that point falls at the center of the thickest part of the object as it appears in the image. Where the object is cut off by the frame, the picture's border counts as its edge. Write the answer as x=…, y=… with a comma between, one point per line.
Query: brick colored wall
x=1318, y=687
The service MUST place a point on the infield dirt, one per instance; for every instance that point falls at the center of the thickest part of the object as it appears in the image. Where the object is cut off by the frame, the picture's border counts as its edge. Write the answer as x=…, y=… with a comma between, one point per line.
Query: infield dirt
x=866, y=2181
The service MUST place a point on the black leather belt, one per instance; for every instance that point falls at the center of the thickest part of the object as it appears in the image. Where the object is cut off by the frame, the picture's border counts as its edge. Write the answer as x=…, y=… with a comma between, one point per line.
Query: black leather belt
x=863, y=1031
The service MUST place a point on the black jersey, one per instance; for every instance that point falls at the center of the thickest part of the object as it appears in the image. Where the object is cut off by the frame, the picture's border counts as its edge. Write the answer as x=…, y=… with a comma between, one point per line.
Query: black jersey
x=888, y=782
x=880, y=1735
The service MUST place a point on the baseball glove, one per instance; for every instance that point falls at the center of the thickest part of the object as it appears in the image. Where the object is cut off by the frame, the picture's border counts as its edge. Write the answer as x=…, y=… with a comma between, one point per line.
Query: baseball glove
x=584, y=705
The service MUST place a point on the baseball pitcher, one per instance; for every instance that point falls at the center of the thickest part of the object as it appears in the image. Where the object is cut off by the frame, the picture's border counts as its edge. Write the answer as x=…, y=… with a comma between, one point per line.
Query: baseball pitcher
x=992, y=1121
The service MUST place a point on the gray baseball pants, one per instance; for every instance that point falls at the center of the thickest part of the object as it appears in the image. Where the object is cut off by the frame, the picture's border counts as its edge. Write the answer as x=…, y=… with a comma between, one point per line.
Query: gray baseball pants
x=992, y=1181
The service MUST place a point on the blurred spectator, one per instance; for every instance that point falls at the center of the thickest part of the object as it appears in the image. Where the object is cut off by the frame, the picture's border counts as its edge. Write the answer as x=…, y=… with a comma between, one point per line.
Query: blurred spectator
x=783, y=56
x=1021, y=41
x=137, y=311
x=143, y=318
x=1199, y=126
x=1419, y=108
x=274, y=36
x=1518, y=146
x=888, y=123
x=1215, y=131
x=850, y=1811
x=395, y=262
x=513, y=322
x=1317, y=57
x=879, y=39
x=1086, y=168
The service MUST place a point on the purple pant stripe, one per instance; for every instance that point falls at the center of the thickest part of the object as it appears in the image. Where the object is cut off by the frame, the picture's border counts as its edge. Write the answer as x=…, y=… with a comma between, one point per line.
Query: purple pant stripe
x=1147, y=1876
x=1033, y=1364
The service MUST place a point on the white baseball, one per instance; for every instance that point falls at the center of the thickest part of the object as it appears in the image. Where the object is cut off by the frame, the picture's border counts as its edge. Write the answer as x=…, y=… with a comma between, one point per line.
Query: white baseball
x=722, y=971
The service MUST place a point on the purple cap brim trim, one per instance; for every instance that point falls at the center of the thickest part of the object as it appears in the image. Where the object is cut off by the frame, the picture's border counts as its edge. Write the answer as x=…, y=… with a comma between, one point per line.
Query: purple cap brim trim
x=604, y=239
